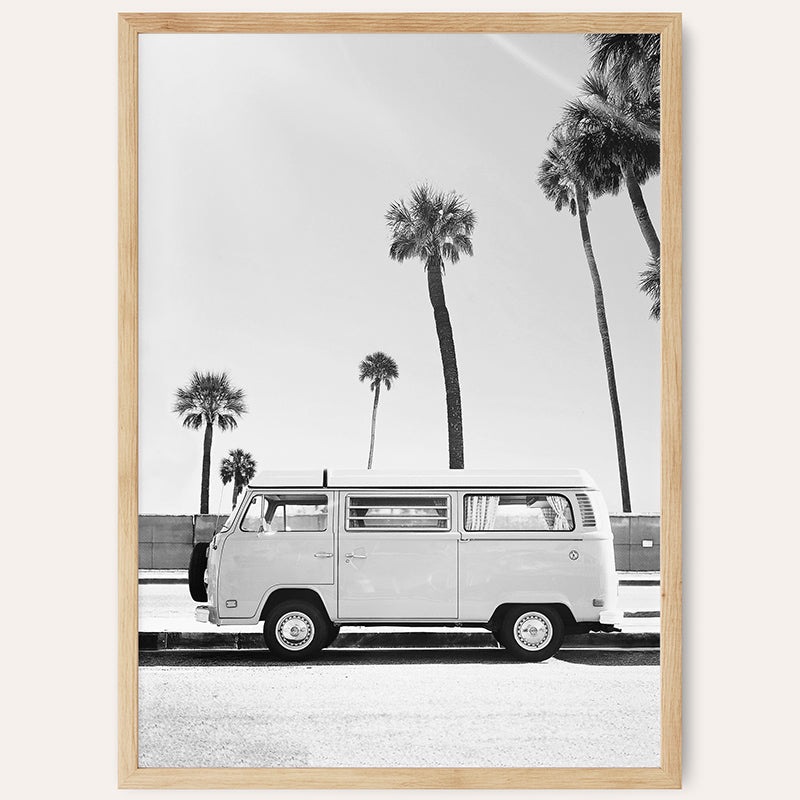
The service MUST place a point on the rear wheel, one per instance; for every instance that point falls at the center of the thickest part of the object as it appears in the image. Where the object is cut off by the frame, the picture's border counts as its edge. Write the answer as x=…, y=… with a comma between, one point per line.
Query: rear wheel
x=296, y=630
x=532, y=633
x=198, y=561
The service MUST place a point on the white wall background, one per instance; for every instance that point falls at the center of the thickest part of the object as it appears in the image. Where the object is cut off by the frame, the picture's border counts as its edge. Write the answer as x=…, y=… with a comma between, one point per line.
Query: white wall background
x=58, y=398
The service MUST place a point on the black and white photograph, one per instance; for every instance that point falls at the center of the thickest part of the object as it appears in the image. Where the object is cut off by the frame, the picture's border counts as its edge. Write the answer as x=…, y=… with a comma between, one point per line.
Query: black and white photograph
x=399, y=400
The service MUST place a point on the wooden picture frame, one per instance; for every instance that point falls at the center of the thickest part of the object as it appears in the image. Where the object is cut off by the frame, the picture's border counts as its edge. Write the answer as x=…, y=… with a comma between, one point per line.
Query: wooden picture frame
x=668, y=775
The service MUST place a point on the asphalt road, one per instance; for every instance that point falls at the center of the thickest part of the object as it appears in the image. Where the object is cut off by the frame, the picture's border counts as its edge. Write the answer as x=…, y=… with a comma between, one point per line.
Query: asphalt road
x=412, y=708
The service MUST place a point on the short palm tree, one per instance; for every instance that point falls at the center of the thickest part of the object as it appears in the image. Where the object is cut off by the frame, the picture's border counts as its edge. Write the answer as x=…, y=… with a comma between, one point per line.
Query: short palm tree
x=436, y=227
x=239, y=467
x=566, y=186
x=209, y=399
x=377, y=368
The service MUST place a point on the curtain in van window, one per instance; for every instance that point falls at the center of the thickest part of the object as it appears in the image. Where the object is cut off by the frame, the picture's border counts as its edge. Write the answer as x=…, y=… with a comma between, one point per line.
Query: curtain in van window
x=560, y=506
x=481, y=511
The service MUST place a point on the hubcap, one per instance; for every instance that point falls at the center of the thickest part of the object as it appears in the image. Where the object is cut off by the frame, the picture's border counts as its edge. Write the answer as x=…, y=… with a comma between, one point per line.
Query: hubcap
x=294, y=630
x=533, y=631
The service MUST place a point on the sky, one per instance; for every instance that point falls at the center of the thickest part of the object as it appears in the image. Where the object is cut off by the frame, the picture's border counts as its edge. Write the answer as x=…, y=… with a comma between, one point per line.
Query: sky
x=267, y=163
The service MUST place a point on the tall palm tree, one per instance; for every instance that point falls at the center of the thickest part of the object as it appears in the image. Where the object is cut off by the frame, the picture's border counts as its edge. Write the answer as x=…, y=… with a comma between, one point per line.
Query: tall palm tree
x=566, y=186
x=209, y=399
x=239, y=467
x=377, y=368
x=617, y=129
x=436, y=227
x=626, y=82
x=631, y=61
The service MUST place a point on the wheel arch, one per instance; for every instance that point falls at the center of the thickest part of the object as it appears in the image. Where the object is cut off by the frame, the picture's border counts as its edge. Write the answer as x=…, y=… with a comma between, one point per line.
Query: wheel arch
x=290, y=593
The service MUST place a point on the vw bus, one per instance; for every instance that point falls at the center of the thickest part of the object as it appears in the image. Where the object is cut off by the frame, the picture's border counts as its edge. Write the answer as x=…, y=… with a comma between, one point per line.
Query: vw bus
x=527, y=555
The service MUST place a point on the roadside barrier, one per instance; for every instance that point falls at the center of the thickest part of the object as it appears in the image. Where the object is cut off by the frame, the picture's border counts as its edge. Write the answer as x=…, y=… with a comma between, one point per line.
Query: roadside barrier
x=166, y=541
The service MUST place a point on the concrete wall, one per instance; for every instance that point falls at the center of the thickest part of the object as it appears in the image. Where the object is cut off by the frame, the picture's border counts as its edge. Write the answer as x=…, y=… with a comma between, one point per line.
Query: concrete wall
x=165, y=542
x=637, y=542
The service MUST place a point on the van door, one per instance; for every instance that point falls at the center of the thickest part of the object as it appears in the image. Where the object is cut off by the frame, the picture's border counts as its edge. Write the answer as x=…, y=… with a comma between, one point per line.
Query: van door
x=398, y=557
x=280, y=540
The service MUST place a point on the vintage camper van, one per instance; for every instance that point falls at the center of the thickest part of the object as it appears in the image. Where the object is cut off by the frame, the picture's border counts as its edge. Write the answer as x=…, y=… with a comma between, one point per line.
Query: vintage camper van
x=526, y=554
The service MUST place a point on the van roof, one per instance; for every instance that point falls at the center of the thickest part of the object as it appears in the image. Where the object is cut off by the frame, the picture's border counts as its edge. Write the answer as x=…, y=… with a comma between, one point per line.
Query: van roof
x=410, y=479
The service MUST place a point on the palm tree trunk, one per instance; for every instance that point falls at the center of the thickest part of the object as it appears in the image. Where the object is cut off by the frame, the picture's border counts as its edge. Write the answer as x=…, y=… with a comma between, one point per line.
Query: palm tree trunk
x=641, y=213
x=206, y=478
x=447, y=348
x=602, y=324
x=374, y=417
x=237, y=490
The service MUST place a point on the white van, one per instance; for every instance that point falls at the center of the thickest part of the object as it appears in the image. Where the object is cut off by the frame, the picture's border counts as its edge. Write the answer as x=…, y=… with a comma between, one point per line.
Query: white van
x=526, y=554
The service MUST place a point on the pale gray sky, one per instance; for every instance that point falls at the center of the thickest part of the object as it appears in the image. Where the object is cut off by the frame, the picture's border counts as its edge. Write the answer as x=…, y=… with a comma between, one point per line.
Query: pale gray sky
x=267, y=163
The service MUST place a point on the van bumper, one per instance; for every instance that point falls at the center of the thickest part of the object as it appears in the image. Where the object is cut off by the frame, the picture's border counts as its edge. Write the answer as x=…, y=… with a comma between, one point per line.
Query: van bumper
x=611, y=617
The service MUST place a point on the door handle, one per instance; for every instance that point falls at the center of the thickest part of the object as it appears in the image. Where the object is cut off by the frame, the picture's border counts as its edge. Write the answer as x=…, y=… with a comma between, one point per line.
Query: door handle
x=354, y=555
x=323, y=555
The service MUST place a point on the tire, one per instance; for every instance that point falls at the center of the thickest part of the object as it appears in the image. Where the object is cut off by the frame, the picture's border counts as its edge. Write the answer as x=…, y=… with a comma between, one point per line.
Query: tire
x=532, y=633
x=296, y=630
x=198, y=562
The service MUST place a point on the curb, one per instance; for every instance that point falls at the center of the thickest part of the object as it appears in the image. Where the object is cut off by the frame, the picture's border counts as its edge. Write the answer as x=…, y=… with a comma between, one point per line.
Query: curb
x=190, y=640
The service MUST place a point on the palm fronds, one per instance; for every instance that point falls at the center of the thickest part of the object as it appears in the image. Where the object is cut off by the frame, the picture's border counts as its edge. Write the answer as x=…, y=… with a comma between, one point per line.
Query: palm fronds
x=238, y=466
x=433, y=226
x=631, y=61
x=378, y=368
x=557, y=177
x=650, y=284
x=209, y=398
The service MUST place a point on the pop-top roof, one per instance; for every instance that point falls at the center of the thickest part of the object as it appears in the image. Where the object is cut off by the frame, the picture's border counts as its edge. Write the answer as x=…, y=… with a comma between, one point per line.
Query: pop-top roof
x=410, y=479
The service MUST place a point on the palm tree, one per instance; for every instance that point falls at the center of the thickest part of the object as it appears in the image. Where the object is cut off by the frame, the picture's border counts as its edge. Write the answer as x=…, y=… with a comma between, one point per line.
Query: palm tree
x=626, y=84
x=209, y=399
x=377, y=368
x=437, y=227
x=619, y=130
x=239, y=467
x=631, y=61
x=566, y=186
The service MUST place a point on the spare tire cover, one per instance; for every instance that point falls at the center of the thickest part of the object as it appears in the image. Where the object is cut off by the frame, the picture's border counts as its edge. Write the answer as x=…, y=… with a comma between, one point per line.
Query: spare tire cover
x=197, y=569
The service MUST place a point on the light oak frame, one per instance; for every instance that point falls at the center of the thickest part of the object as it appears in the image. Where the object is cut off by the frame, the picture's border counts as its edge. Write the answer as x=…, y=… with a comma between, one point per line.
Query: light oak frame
x=668, y=775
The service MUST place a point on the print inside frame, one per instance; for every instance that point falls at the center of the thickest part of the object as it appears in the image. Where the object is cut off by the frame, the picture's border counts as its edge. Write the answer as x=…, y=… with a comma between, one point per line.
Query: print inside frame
x=668, y=774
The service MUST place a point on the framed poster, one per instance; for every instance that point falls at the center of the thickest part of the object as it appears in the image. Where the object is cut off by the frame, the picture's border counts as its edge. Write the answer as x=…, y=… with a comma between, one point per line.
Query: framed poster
x=314, y=209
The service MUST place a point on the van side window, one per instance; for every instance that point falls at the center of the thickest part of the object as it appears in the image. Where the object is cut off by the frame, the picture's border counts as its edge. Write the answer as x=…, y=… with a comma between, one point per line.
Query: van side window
x=517, y=512
x=297, y=514
x=391, y=513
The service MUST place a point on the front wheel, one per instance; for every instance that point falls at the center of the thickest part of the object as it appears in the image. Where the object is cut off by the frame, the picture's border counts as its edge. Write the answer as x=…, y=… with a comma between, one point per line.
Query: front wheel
x=296, y=630
x=533, y=633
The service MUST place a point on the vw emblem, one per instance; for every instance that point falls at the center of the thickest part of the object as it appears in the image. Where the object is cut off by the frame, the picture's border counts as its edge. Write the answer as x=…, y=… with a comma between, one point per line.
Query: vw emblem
x=573, y=554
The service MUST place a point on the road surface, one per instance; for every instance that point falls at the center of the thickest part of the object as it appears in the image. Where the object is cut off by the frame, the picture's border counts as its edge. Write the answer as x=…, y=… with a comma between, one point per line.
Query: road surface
x=412, y=708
